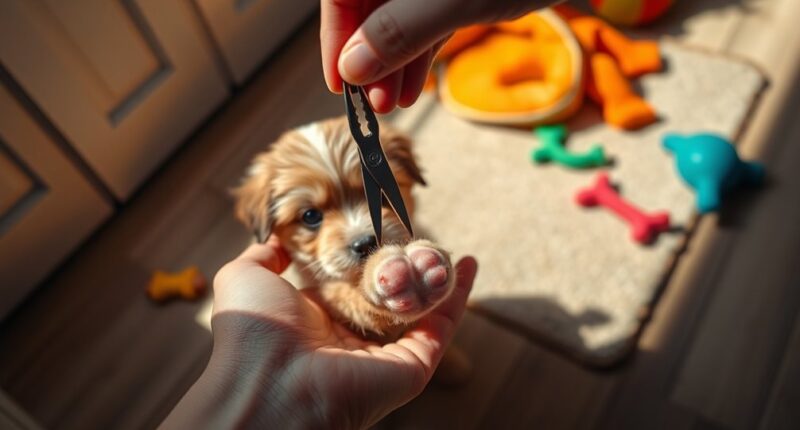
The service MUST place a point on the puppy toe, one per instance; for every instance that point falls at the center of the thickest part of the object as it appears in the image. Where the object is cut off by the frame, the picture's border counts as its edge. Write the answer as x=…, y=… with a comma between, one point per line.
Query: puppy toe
x=394, y=276
x=432, y=268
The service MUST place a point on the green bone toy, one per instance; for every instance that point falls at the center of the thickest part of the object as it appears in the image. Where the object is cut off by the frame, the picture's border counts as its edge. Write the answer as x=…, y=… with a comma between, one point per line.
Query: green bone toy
x=552, y=149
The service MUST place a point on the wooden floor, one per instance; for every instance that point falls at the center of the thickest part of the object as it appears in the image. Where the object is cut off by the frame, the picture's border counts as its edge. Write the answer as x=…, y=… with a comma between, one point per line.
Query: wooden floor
x=722, y=350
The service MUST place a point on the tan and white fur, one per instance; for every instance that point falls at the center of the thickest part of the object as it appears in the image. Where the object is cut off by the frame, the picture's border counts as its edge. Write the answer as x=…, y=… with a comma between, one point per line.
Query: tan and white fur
x=307, y=189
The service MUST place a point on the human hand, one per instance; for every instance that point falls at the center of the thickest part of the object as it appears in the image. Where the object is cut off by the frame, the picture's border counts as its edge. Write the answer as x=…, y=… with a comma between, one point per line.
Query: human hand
x=279, y=360
x=389, y=45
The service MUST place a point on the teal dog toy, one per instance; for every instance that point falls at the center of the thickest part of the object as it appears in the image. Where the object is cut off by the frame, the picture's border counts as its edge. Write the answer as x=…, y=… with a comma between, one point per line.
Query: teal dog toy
x=711, y=166
x=552, y=149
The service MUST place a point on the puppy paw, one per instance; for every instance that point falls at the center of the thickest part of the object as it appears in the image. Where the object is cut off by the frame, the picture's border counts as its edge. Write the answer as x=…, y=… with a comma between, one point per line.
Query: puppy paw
x=408, y=280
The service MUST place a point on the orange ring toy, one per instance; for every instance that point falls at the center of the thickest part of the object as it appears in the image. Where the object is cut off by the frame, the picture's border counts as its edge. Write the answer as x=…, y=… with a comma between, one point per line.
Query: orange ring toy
x=489, y=80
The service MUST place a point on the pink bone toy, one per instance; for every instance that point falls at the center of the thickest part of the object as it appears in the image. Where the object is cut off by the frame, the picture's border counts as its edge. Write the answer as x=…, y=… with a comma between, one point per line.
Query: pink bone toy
x=644, y=227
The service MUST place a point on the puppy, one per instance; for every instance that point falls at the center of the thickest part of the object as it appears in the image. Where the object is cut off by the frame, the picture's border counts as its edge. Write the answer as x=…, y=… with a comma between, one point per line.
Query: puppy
x=307, y=189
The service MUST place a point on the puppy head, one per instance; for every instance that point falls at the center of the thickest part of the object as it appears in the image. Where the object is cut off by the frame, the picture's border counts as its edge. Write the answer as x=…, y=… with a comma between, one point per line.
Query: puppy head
x=307, y=189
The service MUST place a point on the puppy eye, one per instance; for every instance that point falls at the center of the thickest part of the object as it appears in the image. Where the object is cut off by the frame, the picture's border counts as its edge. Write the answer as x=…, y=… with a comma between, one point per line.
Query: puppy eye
x=312, y=218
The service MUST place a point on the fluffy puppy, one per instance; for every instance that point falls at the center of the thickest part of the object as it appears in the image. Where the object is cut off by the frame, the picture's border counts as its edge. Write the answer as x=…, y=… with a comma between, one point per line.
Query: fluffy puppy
x=307, y=189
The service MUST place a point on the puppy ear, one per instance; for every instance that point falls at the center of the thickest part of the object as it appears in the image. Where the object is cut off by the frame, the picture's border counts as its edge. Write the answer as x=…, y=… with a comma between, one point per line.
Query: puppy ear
x=398, y=149
x=253, y=199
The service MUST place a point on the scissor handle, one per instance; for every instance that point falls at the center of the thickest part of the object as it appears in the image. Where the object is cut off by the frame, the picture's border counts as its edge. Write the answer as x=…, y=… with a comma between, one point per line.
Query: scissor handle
x=358, y=110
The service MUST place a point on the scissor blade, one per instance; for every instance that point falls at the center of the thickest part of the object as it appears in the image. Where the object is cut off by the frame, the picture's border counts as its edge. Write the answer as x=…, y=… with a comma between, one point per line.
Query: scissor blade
x=383, y=175
x=374, y=201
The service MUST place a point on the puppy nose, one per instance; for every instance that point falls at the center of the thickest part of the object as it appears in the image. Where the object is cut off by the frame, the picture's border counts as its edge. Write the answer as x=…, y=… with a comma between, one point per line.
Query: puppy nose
x=362, y=246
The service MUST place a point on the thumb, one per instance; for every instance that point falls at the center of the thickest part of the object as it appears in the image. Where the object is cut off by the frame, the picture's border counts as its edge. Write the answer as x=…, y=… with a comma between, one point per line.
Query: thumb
x=271, y=255
x=439, y=326
x=393, y=35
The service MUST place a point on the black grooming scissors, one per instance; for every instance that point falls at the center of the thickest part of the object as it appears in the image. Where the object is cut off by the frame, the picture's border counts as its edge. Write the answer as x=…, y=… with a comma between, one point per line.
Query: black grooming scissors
x=378, y=177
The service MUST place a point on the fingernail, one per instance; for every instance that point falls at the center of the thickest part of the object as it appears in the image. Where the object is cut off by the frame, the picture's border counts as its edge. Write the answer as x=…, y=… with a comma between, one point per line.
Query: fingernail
x=359, y=64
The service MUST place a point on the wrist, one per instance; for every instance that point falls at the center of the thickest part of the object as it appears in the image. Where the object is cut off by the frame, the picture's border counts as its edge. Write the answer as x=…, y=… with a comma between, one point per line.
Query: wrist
x=248, y=382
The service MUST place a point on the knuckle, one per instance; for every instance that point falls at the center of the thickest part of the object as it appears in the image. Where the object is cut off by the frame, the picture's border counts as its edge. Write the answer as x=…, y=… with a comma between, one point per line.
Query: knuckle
x=483, y=11
x=394, y=38
x=224, y=274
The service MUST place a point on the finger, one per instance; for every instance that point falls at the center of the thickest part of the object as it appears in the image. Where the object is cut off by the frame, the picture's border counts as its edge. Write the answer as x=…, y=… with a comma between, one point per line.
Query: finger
x=428, y=339
x=395, y=34
x=440, y=44
x=453, y=307
x=383, y=94
x=414, y=76
x=244, y=285
x=271, y=255
x=339, y=19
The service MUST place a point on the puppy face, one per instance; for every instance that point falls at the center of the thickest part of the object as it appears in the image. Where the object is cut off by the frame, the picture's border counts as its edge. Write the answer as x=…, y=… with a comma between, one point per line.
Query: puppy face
x=307, y=189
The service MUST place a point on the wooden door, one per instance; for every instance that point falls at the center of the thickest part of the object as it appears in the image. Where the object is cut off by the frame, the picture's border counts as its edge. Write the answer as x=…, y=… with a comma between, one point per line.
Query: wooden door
x=247, y=31
x=46, y=206
x=125, y=81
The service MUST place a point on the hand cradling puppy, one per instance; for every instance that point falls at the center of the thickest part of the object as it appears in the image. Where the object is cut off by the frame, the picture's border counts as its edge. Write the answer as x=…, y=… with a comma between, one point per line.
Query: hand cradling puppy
x=307, y=190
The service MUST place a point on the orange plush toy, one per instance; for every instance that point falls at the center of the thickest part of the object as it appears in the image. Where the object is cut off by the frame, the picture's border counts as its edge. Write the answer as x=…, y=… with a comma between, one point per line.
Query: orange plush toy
x=613, y=59
x=524, y=72
x=534, y=70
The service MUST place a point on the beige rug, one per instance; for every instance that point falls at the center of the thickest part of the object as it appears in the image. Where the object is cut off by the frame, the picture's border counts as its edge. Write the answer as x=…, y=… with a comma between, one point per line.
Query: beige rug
x=566, y=275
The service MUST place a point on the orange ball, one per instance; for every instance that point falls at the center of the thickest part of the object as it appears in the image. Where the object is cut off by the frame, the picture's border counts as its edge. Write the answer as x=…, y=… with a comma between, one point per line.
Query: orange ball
x=631, y=12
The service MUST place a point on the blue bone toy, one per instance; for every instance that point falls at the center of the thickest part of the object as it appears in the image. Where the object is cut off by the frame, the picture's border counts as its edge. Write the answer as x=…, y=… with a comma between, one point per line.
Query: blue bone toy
x=710, y=165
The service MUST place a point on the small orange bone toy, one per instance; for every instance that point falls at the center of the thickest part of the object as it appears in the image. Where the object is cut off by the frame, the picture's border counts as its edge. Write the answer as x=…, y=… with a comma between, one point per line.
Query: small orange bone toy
x=188, y=284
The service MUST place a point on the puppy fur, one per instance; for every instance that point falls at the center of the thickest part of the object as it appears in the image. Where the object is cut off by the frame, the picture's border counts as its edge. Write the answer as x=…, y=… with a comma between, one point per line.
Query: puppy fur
x=317, y=168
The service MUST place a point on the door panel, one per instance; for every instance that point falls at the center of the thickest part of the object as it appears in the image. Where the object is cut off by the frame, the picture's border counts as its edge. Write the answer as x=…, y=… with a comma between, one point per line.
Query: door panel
x=247, y=31
x=125, y=81
x=15, y=183
x=114, y=74
x=47, y=206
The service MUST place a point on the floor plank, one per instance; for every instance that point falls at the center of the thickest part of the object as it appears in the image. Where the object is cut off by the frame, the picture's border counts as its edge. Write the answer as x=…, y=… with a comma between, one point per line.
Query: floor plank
x=493, y=353
x=781, y=411
x=545, y=391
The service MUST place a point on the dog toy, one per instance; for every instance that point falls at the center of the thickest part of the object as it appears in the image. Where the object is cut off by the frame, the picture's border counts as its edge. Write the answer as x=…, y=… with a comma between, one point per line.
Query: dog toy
x=644, y=227
x=710, y=165
x=552, y=149
x=612, y=60
x=536, y=69
x=188, y=284
x=622, y=107
x=522, y=72
x=631, y=12
x=634, y=57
